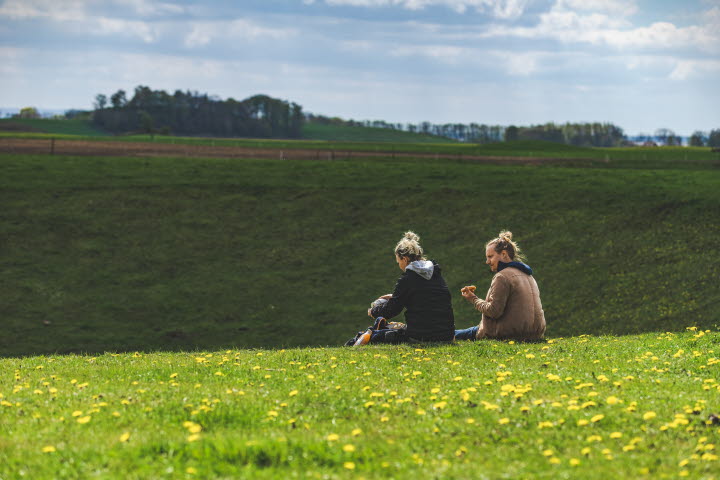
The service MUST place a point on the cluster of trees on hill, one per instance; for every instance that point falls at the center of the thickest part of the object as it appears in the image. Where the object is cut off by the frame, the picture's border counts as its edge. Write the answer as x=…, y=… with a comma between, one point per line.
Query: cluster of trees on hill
x=192, y=113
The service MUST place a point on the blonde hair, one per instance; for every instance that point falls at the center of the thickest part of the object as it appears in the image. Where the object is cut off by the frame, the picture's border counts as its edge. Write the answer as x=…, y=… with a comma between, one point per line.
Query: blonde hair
x=409, y=246
x=505, y=242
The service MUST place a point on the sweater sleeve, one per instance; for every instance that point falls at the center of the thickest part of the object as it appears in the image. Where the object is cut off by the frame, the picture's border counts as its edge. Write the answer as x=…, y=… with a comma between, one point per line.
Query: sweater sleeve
x=494, y=305
x=397, y=302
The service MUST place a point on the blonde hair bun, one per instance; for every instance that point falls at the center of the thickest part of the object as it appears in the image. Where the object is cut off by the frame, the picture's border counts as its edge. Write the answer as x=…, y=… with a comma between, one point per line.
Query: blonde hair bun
x=412, y=236
x=409, y=246
x=505, y=242
x=505, y=235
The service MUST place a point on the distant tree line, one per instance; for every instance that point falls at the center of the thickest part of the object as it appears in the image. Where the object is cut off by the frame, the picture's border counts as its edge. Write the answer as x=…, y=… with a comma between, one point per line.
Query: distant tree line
x=192, y=113
x=702, y=139
x=581, y=134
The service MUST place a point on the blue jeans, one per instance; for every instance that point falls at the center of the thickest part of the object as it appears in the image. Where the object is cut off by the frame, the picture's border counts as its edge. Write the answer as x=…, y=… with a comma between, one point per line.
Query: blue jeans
x=467, y=333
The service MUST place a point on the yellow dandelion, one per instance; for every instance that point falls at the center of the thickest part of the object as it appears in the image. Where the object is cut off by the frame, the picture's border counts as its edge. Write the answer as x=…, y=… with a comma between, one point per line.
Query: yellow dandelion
x=125, y=437
x=612, y=400
x=77, y=413
x=293, y=393
x=582, y=422
x=597, y=418
x=191, y=471
x=627, y=448
x=349, y=465
x=616, y=435
x=333, y=437
x=48, y=449
x=585, y=451
x=440, y=405
x=348, y=448
x=504, y=421
x=554, y=460
x=272, y=413
x=547, y=453
x=384, y=419
x=574, y=462
x=649, y=415
x=194, y=437
x=470, y=421
x=84, y=419
x=356, y=432
x=420, y=411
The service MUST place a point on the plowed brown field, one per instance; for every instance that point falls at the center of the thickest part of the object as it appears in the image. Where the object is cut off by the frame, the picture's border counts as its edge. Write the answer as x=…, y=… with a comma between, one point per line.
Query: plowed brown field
x=150, y=149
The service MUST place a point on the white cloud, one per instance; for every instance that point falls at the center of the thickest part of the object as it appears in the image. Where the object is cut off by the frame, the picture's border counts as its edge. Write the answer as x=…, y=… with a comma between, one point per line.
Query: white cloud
x=199, y=36
x=51, y=9
x=151, y=7
x=522, y=64
x=505, y=9
x=443, y=53
x=689, y=68
x=110, y=26
x=203, y=33
x=595, y=28
x=614, y=7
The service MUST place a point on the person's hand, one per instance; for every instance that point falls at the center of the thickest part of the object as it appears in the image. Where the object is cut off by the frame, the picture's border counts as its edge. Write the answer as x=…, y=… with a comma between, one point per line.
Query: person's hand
x=468, y=293
x=386, y=297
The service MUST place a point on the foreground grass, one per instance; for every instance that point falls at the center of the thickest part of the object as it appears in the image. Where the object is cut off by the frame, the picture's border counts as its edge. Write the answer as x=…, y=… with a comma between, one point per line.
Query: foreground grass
x=590, y=407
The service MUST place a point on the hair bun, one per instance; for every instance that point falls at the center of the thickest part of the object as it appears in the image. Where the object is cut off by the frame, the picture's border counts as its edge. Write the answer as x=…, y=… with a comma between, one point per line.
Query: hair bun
x=505, y=235
x=412, y=236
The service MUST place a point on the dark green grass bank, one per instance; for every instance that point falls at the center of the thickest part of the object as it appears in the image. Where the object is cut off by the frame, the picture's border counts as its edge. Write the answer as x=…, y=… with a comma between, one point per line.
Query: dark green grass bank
x=316, y=131
x=50, y=126
x=142, y=254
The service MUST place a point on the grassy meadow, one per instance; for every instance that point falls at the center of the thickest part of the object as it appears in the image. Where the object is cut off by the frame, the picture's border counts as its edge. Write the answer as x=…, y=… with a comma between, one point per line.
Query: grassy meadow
x=123, y=254
x=602, y=407
x=179, y=318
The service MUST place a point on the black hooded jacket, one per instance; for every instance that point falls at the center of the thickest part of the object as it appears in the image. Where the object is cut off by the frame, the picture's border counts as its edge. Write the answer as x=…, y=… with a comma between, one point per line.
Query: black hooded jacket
x=426, y=298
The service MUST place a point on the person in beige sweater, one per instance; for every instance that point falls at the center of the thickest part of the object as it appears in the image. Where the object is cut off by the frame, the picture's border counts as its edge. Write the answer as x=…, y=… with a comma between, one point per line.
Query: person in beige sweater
x=512, y=308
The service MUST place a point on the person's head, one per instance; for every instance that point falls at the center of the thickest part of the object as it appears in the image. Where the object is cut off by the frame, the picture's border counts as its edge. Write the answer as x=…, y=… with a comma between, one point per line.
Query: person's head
x=408, y=250
x=502, y=249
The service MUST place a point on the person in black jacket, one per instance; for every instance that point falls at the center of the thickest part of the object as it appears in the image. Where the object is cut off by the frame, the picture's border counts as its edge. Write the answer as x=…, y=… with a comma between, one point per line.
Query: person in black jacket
x=422, y=292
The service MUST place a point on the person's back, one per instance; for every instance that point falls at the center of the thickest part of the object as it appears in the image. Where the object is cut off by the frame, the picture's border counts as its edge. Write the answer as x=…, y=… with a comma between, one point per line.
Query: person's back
x=422, y=291
x=512, y=308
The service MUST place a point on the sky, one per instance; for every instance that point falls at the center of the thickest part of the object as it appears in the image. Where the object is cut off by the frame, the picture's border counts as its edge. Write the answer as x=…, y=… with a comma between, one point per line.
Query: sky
x=639, y=64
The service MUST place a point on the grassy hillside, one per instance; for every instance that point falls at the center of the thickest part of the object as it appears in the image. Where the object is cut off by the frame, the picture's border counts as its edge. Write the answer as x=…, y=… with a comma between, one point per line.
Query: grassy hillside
x=174, y=253
x=592, y=408
x=342, y=133
x=45, y=125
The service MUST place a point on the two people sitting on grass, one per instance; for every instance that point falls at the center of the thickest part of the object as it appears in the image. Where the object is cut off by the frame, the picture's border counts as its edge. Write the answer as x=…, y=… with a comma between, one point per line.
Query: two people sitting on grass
x=422, y=292
x=512, y=308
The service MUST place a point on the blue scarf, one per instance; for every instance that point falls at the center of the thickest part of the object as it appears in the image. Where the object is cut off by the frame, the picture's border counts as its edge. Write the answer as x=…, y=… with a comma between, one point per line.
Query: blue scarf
x=519, y=265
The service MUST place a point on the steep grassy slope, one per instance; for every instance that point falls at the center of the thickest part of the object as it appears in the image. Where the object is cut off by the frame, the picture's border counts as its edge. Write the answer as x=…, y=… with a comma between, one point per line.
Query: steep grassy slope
x=125, y=254
x=592, y=408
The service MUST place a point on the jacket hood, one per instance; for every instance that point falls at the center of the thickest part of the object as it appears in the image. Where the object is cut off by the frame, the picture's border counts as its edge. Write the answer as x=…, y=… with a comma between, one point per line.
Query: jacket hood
x=424, y=268
x=519, y=265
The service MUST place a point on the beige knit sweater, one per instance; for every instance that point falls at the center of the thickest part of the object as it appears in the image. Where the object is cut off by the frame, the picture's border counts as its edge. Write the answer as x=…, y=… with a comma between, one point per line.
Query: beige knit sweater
x=512, y=307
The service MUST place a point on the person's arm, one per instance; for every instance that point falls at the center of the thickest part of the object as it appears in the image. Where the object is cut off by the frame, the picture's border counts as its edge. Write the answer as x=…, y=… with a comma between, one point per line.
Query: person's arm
x=396, y=303
x=494, y=305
